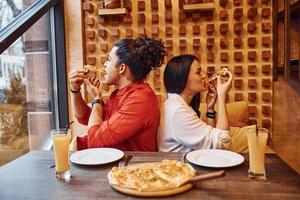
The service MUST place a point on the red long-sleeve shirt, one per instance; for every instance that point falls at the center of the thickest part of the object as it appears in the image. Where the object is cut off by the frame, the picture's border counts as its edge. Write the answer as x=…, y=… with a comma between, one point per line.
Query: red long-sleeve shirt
x=131, y=118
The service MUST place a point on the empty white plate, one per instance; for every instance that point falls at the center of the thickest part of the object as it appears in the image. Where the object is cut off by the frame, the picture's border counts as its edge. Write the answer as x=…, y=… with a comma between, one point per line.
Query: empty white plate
x=214, y=158
x=96, y=156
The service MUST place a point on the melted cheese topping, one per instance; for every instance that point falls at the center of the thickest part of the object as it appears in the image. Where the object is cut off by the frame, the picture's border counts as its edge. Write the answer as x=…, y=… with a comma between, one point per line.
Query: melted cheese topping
x=166, y=175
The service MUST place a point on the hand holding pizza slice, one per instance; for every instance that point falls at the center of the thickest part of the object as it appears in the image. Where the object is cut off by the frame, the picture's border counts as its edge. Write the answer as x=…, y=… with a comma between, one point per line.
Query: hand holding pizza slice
x=223, y=73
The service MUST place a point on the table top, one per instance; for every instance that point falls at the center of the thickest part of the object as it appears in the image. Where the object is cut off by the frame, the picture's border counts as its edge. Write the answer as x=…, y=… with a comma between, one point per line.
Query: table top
x=30, y=177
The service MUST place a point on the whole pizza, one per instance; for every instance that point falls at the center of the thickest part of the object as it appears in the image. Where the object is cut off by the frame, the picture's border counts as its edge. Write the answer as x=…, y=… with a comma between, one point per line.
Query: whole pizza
x=148, y=177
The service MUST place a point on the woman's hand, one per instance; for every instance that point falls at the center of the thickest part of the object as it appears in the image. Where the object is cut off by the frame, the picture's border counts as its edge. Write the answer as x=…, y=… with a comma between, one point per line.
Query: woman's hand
x=211, y=97
x=93, y=85
x=223, y=88
x=76, y=78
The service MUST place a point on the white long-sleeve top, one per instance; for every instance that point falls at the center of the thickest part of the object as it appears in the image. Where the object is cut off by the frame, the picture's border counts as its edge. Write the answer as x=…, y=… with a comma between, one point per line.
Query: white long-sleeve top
x=181, y=130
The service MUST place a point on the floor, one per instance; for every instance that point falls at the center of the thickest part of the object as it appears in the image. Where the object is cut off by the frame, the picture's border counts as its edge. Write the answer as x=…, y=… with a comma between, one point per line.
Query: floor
x=286, y=121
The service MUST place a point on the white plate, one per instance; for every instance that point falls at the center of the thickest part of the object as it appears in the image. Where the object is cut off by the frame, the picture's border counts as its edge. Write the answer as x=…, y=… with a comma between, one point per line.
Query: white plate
x=214, y=158
x=96, y=156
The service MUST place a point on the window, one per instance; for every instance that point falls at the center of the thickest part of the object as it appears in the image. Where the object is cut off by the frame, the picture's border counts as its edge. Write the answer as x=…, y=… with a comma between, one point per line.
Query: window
x=10, y=9
x=26, y=115
x=32, y=66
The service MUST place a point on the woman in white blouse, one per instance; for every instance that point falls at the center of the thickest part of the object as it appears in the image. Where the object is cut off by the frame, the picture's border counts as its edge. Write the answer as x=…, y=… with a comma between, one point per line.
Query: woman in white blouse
x=181, y=129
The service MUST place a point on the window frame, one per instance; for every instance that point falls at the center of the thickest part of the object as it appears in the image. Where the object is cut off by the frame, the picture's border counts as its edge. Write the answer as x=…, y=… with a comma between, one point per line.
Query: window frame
x=18, y=26
x=23, y=22
x=58, y=54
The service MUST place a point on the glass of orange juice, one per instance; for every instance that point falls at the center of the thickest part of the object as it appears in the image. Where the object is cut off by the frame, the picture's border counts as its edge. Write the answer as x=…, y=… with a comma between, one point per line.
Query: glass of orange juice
x=61, y=142
x=257, y=143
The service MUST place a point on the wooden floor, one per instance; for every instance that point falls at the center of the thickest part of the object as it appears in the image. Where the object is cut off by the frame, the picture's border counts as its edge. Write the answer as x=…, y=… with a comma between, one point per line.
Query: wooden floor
x=286, y=121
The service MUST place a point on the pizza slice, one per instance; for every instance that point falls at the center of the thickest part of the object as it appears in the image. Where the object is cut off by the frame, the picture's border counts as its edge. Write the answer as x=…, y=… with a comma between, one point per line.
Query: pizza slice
x=139, y=178
x=175, y=172
x=92, y=71
x=222, y=73
x=122, y=177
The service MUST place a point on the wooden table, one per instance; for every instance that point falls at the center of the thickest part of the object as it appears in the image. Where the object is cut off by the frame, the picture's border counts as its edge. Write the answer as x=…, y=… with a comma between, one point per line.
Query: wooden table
x=30, y=177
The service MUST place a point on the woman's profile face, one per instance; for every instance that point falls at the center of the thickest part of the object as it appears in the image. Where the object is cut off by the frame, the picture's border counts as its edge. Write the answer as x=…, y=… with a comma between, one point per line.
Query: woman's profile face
x=196, y=78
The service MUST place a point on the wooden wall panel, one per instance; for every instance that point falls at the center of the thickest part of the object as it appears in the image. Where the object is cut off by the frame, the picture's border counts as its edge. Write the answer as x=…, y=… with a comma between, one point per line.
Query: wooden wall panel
x=229, y=36
x=295, y=40
x=74, y=48
x=280, y=5
x=280, y=44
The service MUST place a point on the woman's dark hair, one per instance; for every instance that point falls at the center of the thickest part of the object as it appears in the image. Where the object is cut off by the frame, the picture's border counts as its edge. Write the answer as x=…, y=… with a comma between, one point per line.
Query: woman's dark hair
x=141, y=55
x=176, y=76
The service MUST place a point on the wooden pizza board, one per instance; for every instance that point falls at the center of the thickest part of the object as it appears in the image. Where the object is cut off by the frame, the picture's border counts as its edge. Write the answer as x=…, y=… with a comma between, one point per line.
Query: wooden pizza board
x=162, y=193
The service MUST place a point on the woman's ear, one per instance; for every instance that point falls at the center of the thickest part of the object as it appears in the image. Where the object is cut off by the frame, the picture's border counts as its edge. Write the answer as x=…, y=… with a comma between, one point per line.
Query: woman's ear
x=122, y=68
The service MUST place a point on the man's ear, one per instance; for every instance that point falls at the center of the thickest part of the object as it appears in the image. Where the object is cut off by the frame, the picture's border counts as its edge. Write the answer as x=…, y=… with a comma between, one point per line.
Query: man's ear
x=122, y=68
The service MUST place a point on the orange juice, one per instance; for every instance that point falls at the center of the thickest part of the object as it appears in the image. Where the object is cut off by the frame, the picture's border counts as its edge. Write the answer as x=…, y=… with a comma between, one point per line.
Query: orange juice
x=61, y=142
x=61, y=151
x=257, y=145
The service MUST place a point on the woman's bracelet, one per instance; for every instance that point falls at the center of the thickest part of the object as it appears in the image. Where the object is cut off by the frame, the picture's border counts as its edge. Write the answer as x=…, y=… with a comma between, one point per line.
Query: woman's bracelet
x=211, y=115
x=75, y=91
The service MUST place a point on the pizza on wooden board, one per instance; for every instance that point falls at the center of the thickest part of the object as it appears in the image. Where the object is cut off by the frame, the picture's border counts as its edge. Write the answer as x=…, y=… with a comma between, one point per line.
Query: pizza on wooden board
x=148, y=177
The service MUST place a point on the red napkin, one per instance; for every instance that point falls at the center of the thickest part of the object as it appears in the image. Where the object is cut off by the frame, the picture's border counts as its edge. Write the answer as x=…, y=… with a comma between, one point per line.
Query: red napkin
x=82, y=142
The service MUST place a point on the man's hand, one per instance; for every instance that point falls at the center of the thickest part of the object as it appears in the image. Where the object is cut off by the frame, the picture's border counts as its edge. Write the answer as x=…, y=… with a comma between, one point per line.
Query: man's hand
x=76, y=78
x=93, y=85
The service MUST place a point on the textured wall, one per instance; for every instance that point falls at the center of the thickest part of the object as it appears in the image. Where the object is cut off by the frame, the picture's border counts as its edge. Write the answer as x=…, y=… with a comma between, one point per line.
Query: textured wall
x=280, y=44
x=295, y=41
x=237, y=35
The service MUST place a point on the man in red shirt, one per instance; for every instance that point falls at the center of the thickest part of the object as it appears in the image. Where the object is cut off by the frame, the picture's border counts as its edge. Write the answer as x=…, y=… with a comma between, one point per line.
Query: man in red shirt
x=128, y=120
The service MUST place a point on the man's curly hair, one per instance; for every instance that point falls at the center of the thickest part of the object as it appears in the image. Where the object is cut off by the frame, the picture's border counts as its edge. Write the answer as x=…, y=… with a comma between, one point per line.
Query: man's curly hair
x=141, y=55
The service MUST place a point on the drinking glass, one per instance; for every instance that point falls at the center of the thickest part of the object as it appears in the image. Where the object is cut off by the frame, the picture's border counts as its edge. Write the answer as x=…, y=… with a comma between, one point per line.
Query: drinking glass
x=257, y=142
x=61, y=143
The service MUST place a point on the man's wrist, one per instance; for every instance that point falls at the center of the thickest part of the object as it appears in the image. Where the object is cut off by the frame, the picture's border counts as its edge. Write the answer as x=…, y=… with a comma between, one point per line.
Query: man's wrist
x=74, y=91
x=97, y=97
x=97, y=101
